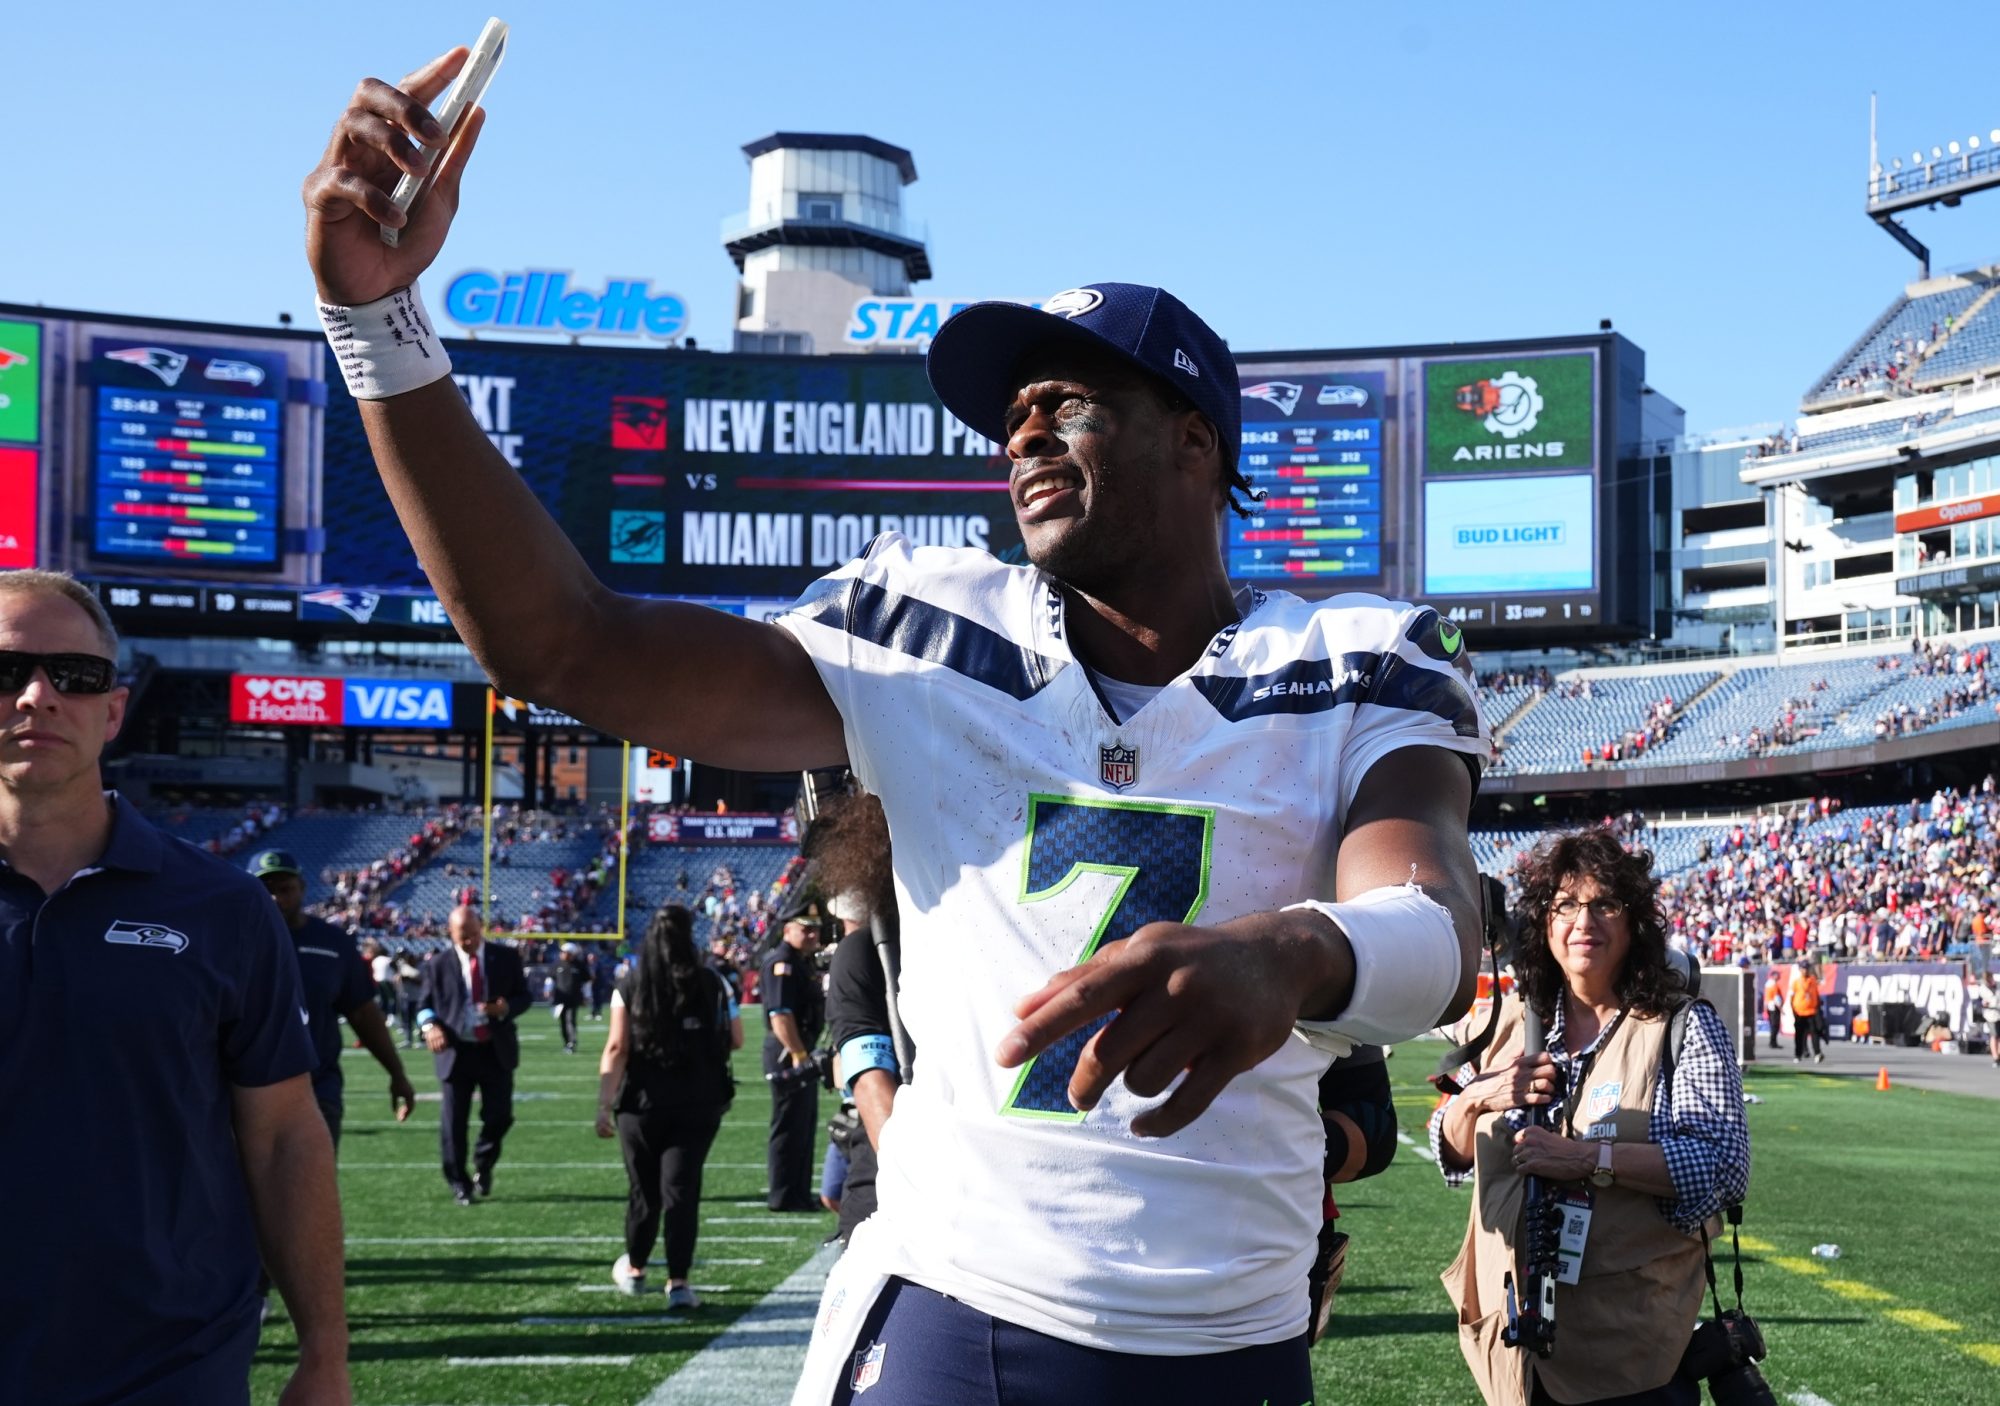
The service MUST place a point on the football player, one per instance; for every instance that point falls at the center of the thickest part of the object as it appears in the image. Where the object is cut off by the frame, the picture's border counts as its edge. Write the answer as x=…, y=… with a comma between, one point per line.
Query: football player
x=1162, y=847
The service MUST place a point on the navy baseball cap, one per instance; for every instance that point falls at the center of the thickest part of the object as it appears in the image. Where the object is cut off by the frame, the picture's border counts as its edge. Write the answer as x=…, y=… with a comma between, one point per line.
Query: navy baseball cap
x=274, y=861
x=975, y=356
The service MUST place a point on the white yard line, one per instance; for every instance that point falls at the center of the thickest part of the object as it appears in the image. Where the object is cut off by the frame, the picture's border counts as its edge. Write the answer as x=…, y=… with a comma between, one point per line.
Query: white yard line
x=1808, y=1398
x=609, y=1359
x=503, y=1240
x=755, y=1360
x=1415, y=1146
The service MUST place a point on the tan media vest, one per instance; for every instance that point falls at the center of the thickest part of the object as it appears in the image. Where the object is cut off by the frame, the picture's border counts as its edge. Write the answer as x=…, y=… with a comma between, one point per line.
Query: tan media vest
x=1623, y=1327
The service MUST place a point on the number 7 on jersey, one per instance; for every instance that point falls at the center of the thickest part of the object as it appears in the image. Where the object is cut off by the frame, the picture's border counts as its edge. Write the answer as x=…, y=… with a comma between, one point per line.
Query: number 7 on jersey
x=1160, y=855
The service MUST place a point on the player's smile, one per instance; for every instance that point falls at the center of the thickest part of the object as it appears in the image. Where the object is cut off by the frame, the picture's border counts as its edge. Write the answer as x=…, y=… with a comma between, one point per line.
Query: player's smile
x=1047, y=491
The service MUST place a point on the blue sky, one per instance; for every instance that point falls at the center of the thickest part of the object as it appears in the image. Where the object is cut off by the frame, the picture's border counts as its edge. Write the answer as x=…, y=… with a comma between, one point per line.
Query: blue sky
x=1304, y=175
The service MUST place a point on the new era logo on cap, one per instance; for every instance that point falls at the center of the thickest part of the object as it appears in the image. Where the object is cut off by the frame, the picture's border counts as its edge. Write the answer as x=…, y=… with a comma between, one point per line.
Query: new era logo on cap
x=1184, y=362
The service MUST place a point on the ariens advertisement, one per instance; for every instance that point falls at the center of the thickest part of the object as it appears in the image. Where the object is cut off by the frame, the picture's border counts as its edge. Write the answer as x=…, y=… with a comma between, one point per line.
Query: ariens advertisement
x=688, y=473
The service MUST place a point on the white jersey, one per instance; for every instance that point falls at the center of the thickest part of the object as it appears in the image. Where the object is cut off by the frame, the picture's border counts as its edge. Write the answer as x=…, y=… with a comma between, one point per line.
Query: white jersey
x=1030, y=830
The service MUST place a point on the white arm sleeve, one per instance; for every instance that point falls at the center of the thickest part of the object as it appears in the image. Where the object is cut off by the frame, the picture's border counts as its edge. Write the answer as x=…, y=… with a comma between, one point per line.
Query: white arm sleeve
x=1406, y=968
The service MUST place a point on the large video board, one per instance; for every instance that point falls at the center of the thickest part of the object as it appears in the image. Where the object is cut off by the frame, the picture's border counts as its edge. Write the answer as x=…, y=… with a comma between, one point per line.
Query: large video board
x=188, y=454
x=698, y=475
x=215, y=476
x=1469, y=482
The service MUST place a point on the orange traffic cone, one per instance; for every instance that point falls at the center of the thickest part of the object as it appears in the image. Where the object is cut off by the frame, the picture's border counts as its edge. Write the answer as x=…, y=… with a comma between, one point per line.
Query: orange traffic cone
x=1882, y=1080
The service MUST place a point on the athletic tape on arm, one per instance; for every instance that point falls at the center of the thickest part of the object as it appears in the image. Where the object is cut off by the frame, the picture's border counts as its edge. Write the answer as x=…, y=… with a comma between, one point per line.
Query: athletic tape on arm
x=1406, y=968
x=386, y=347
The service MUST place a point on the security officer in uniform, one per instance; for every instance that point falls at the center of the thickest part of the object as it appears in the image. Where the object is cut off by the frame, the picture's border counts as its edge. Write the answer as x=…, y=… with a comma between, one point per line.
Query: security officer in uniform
x=337, y=985
x=794, y=1012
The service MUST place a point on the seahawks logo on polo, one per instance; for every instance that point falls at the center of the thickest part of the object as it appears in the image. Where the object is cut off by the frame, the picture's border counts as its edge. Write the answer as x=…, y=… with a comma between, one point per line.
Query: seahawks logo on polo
x=126, y=933
x=1073, y=302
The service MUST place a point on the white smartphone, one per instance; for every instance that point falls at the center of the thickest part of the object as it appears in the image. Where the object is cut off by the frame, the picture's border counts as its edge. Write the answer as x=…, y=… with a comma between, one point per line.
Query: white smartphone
x=459, y=101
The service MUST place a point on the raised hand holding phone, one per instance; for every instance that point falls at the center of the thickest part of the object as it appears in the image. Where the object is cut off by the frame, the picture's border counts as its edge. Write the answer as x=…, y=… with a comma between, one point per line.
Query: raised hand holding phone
x=384, y=134
x=458, y=105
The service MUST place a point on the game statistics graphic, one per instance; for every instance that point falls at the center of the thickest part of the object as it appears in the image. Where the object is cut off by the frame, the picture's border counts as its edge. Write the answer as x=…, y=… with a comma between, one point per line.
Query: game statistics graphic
x=1313, y=444
x=187, y=466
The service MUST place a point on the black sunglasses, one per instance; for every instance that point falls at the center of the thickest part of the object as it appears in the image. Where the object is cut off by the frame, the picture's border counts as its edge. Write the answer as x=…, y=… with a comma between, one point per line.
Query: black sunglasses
x=70, y=673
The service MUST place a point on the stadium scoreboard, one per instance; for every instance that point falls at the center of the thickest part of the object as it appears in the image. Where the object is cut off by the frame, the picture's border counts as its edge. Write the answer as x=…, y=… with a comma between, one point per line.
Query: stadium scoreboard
x=198, y=464
x=1467, y=482
x=188, y=455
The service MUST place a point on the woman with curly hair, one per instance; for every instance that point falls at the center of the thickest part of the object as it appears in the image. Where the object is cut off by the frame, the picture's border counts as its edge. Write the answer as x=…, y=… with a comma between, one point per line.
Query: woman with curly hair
x=1641, y=1148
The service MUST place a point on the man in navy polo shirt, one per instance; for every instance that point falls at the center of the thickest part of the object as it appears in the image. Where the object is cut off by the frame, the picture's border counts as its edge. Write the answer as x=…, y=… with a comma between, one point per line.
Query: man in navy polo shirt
x=157, y=1119
x=337, y=986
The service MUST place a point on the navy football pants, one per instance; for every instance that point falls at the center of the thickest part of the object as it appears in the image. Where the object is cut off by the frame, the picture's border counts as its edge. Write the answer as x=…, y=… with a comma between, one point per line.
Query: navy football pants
x=930, y=1350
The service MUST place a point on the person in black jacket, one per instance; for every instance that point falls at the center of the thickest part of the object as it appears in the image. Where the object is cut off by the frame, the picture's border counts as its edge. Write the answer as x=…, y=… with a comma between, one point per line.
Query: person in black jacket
x=663, y=1085
x=473, y=991
x=568, y=990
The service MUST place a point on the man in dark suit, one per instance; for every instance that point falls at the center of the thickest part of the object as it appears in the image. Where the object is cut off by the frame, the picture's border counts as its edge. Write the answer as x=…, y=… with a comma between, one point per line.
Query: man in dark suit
x=472, y=994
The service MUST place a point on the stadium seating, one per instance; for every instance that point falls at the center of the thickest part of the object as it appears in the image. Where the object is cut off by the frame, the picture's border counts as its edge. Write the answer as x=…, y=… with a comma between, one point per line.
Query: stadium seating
x=1550, y=736
x=1974, y=344
x=656, y=872
x=1907, y=317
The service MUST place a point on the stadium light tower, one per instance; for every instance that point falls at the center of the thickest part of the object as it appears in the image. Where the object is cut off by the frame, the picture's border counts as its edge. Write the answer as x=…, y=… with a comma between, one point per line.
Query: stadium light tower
x=1945, y=177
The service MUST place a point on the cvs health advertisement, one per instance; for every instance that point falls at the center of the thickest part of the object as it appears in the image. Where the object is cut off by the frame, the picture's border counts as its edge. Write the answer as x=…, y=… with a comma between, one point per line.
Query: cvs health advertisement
x=290, y=700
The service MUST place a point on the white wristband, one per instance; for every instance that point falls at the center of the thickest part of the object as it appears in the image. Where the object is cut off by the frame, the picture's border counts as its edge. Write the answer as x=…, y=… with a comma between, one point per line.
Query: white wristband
x=385, y=347
x=1406, y=967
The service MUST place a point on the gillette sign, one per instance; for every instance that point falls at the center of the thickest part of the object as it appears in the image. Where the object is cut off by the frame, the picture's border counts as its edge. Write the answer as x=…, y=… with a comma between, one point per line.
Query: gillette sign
x=287, y=700
x=541, y=300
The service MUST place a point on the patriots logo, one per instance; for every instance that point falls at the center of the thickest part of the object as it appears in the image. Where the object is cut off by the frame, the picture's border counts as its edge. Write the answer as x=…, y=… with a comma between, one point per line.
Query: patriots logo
x=358, y=606
x=10, y=359
x=1283, y=394
x=167, y=365
x=244, y=372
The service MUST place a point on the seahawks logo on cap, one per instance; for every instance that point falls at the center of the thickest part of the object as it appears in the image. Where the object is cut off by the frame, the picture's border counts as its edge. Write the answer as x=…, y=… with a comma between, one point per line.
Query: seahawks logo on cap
x=1073, y=302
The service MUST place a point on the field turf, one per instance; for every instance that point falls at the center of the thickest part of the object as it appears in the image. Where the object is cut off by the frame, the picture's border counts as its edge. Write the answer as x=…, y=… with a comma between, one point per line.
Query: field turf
x=1909, y=1313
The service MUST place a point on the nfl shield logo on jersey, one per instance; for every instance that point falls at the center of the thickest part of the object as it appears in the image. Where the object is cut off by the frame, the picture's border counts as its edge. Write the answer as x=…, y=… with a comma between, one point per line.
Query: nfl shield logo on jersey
x=867, y=1367
x=1118, y=767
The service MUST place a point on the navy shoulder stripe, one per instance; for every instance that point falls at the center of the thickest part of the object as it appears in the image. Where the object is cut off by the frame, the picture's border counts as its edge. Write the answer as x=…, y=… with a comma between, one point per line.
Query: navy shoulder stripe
x=931, y=633
x=1303, y=686
x=1321, y=685
x=1420, y=690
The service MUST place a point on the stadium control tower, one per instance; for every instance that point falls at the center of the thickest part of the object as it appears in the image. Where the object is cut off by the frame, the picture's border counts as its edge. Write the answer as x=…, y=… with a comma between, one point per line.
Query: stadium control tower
x=825, y=229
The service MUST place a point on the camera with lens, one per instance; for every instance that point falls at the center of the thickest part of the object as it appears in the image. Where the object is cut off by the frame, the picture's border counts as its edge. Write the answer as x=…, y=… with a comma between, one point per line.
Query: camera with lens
x=1724, y=1352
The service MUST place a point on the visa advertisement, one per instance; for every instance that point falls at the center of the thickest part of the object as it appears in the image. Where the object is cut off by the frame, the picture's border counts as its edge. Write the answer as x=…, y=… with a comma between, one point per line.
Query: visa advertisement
x=287, y=700
x=1496, y=536
x=689, y=474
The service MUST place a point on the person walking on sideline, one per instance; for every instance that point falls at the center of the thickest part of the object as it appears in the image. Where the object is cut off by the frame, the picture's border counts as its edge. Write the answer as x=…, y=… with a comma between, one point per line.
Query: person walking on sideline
x=663, y=1086
x=472, y=994
x=1806, y=1029
x=567, y=992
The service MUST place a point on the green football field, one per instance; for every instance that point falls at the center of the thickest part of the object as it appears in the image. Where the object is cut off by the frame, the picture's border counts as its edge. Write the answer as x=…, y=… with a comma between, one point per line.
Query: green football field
x=508, y=1303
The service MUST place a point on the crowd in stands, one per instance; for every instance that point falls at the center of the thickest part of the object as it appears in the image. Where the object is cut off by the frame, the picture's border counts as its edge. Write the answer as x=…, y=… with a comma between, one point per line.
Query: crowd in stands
x=357, y=899
x=1905, y=882
x=1632, y=744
